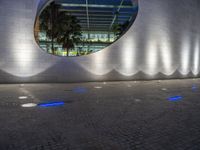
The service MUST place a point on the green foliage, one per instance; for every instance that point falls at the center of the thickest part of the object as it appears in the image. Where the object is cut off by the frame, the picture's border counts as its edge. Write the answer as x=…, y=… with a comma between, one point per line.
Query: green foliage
x=119, y=29
x=69, y=31
x=60, y=27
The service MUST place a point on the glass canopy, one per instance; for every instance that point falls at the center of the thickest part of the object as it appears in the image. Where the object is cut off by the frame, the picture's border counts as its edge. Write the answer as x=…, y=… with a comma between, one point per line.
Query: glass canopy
x=81, y=27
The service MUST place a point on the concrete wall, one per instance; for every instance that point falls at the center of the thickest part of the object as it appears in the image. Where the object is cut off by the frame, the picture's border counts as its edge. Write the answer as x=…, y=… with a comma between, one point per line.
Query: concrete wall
x=163, y=42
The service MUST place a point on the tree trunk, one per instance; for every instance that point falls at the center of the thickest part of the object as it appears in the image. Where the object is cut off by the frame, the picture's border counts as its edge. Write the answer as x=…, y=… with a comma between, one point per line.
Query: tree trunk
x=52, y=27
x=67, y=52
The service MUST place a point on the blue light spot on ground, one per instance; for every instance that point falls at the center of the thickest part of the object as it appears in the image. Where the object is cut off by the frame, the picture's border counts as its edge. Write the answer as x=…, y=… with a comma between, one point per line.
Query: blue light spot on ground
x=175, y=98
x=194, y=88
x=79, y=90
x=51, y=104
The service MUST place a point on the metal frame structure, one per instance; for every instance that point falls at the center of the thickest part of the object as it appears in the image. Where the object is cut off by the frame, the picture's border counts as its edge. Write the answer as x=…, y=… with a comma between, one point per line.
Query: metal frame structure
x=100, y=15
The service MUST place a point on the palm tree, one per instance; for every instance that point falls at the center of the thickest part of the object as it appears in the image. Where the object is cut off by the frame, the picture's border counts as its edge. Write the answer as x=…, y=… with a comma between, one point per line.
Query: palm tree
x=54, y=23
x=44, y=22
x=116, y=28
x=69, y=31
x=60, y=27
x=49, y=21
x=119, y=29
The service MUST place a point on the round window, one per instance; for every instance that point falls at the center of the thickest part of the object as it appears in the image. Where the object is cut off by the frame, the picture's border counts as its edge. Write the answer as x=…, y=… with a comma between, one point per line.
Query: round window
x=81, y=27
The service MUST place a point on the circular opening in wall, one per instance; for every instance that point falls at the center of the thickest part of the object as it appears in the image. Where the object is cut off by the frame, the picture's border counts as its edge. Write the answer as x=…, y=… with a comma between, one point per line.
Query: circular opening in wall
x=82, y=27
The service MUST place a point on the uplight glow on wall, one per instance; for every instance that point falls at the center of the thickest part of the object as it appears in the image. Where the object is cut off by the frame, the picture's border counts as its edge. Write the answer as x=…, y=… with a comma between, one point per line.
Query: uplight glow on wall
x=152, y=57
x=185, y=55
x=196, y=55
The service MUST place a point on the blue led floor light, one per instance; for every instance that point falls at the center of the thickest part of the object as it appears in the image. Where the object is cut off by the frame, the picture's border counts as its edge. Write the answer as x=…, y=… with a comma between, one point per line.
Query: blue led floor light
x=194, y=88
x=80, y=90
x=175, y=98
x=51, y=104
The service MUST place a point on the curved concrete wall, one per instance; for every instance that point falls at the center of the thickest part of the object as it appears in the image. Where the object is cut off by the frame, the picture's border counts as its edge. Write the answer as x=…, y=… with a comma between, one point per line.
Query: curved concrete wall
x=163, y=42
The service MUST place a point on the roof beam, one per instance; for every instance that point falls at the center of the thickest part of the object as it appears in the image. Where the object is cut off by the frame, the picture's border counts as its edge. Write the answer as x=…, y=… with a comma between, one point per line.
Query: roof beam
x=88, y=20
x=96, y=25
x=95, y=5
x=83, y=10
x=115, y=17
x=103, y=15
x=98, y=21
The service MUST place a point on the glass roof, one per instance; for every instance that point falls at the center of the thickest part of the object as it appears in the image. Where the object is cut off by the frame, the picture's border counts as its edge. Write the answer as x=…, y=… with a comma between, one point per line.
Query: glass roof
x=100, y=15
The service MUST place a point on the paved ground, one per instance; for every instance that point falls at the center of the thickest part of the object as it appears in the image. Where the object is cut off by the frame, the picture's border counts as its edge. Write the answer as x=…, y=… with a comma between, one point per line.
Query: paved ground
x=102, y=116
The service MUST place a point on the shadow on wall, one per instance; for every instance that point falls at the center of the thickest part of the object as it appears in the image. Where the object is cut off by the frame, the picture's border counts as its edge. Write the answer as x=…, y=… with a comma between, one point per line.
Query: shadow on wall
x=72, y=76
